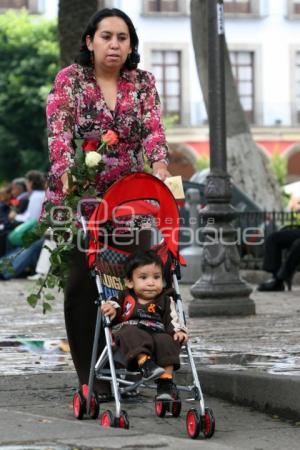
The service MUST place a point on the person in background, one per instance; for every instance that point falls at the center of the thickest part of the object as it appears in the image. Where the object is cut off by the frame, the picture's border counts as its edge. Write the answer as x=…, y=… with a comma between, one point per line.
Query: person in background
x=43, y=263
x=5, y=199
x=35, y=183
x=20, y=195
x=282, y=253
x=19, y=262
x=103, y=91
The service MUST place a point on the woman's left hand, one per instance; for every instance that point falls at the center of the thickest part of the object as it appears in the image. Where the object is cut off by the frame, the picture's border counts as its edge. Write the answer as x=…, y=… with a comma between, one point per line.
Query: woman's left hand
x=160, y=170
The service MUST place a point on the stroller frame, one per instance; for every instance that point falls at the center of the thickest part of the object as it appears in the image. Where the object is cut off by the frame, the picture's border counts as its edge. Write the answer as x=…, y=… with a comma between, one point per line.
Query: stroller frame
x=200, y=419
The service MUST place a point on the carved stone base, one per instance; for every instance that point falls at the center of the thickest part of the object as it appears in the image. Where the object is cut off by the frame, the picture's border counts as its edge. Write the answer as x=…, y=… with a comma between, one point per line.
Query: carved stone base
x=227, y=296
x=234, y=306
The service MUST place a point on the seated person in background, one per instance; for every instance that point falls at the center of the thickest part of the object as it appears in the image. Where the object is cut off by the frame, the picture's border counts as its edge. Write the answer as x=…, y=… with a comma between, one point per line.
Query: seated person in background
x=20, y=195
x=288, y=238
x=145, y=323
x=19, y=263
x=43, y=264
x=35, y=183
x=5, y=197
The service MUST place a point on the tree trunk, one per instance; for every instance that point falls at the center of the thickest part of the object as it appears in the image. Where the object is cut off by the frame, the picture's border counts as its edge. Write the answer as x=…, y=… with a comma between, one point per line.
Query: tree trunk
x=73, y=16
x=247, y=165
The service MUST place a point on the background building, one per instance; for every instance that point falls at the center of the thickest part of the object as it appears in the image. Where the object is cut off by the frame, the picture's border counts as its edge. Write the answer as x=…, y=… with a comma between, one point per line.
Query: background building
x=264, y=41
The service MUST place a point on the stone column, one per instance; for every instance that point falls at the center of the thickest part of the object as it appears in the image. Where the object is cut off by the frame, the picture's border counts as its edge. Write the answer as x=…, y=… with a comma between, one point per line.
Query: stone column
x=219, y=290
x=193, y=252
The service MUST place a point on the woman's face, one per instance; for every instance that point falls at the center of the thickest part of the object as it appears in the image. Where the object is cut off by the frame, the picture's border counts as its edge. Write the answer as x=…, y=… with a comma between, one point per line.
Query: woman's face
x=111, y=43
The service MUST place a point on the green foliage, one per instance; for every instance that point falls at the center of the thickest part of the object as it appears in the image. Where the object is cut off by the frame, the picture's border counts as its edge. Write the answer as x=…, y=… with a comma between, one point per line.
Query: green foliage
x=202, y=162
x=59, y=258
x=279, y=167
x=28, y=64
x=169, y=120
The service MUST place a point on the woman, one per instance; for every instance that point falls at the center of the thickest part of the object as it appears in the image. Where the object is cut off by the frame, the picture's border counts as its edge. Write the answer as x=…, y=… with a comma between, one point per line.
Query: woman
x=103, y=91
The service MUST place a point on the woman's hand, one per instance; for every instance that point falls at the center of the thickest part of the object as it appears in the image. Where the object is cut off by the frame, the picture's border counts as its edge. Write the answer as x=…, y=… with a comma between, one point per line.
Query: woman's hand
x=160, y=170
x=109, y=310
x=65, y=181
x=181, y=337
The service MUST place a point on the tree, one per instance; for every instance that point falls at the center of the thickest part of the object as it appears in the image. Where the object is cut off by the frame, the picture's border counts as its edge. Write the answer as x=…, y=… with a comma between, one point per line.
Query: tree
x=248, y=167
x=73, y=16
x=29, y=61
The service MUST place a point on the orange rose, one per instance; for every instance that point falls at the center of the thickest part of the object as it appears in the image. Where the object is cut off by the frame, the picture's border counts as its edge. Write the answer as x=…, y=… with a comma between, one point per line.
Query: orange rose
x=110, y=137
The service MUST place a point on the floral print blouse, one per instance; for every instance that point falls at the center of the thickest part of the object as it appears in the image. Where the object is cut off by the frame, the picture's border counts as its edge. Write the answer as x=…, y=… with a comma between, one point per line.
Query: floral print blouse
x=76, y=109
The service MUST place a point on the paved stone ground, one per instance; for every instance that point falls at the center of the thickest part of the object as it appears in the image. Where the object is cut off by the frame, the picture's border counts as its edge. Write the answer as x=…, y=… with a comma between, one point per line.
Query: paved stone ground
x=267, y=342
x=35, y=408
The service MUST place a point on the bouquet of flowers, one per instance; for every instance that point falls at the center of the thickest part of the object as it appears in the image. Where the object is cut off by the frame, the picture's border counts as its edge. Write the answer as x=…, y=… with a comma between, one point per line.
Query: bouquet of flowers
x=88, y=162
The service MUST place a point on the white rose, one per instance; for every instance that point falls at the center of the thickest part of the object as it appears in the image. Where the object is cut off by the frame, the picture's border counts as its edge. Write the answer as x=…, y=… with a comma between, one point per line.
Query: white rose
x=92, y=159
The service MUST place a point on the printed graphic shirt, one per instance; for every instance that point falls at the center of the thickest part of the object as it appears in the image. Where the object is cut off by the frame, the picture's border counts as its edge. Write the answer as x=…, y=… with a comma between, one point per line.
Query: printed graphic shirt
x=76, y=109
x=159, y=314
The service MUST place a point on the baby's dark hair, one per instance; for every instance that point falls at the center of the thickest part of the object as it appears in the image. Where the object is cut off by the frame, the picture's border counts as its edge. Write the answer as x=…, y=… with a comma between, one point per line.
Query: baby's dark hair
x=139, y=259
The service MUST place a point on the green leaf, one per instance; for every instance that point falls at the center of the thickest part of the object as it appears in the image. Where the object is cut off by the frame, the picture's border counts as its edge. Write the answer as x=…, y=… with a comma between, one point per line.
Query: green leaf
x=32, y=299
x=46, y=307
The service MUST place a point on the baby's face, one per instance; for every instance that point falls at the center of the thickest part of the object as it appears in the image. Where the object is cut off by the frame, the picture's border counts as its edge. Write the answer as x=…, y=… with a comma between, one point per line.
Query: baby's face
x=147, y=281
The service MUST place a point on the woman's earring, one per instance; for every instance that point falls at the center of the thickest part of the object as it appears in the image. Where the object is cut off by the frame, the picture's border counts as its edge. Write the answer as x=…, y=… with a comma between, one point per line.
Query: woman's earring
x=92, y=58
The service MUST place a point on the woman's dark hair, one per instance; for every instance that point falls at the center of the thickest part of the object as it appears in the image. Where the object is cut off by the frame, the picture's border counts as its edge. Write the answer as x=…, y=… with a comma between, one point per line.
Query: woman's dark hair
x=37, y=180
x=141, y=258
x=84, y=56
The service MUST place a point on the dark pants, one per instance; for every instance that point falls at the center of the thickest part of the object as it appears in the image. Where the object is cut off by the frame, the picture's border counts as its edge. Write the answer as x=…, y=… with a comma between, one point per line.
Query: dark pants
x=133, y=341
x=21, y=260
x=285, y=239
x=80, y=318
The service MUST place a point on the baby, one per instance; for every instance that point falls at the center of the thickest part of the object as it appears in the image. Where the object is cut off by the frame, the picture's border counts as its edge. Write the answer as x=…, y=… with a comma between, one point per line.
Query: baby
x=145, y=323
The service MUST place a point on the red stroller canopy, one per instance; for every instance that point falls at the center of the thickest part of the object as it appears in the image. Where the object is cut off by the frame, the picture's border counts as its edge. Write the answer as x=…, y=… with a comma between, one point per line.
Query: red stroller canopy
x=127, y=197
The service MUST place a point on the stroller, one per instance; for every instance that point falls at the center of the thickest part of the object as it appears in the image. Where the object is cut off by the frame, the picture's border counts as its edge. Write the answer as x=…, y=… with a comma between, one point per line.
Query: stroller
x=136, y=195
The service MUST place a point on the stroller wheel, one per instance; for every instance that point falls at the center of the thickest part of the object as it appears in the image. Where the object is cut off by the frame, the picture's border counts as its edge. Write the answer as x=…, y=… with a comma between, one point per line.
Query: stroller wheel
x=107, y=419
x=79, y=405
x=193, y=423
x=94, y=407
x=176, y=408
x=123, y=420
x=160, y=408
x=208, y=423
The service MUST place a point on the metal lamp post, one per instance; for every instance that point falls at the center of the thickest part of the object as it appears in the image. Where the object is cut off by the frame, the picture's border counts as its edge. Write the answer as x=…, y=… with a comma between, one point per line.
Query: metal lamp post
x=219, y=290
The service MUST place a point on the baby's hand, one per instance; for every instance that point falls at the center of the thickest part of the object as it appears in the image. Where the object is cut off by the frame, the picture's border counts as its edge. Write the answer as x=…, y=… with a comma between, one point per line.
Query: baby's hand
x=109, y=310
x=181, y=337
